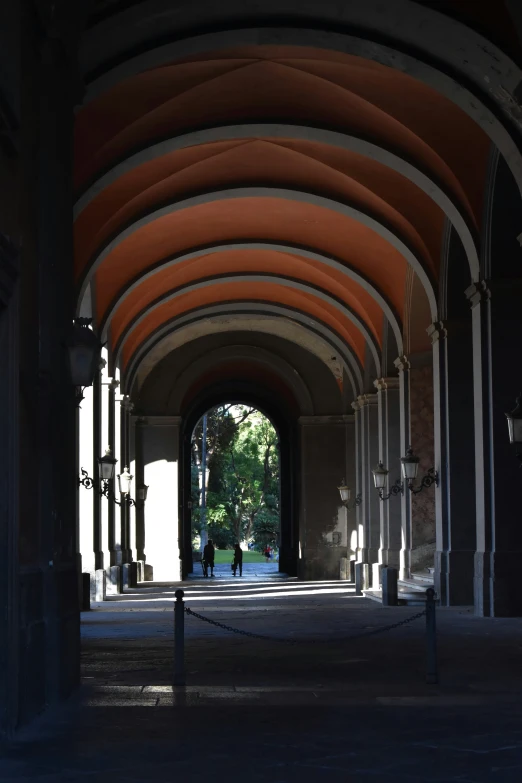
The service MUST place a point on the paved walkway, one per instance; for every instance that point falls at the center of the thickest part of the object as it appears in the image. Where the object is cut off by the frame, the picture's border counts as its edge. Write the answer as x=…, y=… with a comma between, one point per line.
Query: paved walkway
x=273, y=712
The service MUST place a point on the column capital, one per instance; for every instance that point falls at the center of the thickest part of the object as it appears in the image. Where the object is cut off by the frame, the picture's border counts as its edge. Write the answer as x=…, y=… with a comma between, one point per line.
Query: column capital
x=368, y=399
x=356, y=406
x=126, y=403
x=387, y=383
x=437, y=331
x=478, y=292
x=402, y=363
x=113, y=384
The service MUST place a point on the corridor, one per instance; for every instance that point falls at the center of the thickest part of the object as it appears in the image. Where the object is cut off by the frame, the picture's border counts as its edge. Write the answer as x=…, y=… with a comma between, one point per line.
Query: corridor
x=322, y=709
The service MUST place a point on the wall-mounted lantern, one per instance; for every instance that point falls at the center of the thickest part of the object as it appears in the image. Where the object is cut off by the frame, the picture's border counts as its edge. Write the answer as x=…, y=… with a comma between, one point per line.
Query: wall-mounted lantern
x=84, y=350
x=346, y=493
x=106, y=465
x=380, y=479
x=409, y=470
x=142, y=492
x=514, y=422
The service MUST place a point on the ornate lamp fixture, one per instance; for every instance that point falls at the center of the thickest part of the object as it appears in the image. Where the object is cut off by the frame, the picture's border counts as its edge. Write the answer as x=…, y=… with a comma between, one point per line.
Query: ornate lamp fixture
x=410, y=467
x=514, y=422
x=106, y=465
x=84, y=355
x=409, y=470
x=380, y=478
x=346, y=494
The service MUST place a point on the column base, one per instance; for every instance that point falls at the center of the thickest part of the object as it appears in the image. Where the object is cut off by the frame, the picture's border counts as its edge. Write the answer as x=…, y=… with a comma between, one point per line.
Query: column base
x=99, y=585
x=497, y=584
x=130, y=575
x=454, y=574
x=114, y=580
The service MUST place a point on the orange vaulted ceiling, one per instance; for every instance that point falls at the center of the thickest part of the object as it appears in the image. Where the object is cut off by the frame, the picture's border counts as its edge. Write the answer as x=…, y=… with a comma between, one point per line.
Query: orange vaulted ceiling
x=309, y=166
x=261, y=292
x=262, y=219
x=236, y=262
x=290, y=84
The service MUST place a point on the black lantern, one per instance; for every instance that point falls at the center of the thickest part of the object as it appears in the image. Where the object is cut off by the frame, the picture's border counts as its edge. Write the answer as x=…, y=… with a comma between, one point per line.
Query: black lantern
x=409, y=465
x=380, y=476
x=514, y=421
x=84, y=355
x=106, y=466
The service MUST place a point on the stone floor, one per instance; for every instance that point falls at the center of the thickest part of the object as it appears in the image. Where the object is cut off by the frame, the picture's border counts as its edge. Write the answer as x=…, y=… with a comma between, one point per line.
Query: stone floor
x=323, y=708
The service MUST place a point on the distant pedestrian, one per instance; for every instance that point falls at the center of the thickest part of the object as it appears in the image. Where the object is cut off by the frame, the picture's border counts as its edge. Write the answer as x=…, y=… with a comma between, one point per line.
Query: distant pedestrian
x=208, y=558
x=238, y=560
x=267, y=553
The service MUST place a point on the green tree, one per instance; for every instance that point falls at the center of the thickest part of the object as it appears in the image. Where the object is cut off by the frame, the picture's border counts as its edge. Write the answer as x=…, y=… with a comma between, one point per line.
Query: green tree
x=243, y=496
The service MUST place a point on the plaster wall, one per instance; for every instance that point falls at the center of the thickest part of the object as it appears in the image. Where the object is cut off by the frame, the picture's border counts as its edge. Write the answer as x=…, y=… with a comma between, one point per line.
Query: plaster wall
x=323, y=443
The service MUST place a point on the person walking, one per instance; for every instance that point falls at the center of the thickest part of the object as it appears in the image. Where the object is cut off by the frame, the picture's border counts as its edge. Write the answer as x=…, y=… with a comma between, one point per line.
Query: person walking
x=238, y=560
x=267, y=553
x=208, y=558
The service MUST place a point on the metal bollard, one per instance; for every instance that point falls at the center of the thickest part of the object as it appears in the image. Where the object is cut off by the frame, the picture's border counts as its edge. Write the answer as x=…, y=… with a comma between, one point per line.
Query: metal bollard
x=179, y=638
x=432, y=676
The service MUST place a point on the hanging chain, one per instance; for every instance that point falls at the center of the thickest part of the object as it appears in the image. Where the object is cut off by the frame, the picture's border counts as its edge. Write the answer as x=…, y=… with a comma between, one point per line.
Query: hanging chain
x=307, y=641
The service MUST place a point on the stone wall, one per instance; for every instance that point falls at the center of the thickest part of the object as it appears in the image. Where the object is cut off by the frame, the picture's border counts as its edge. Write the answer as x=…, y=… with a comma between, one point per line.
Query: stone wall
x=422, y=443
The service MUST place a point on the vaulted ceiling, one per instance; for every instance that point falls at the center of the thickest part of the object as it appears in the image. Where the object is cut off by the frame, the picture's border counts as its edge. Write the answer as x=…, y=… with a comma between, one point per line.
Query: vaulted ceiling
x=267, y=177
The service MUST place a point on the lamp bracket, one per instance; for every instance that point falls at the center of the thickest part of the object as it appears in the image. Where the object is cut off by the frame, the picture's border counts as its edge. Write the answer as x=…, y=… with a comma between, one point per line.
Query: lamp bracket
x=105, y=491
x=431, y=477
x=395, y=489
x=357, y=502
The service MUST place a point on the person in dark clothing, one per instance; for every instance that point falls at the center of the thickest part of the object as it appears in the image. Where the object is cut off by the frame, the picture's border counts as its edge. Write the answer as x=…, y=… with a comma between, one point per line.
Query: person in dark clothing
x=238, y=560
x=208, y=558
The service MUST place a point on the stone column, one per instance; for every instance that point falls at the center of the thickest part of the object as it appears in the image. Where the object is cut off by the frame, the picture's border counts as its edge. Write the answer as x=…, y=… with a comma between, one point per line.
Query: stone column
x=87, y=497
x=454, y=461
x=161, y=453
x=350, y=473
x=403, y=367
x=9, y=493
x=112, y=508
x=322, y=521
x=361, y=556
x=497, y=337
x=126, y=512
x=370, y=457
x=389, y=397
x=139, y=424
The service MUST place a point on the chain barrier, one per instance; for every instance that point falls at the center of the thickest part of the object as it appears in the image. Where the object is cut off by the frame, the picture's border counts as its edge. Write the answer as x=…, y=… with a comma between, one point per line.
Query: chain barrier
x=333, y=640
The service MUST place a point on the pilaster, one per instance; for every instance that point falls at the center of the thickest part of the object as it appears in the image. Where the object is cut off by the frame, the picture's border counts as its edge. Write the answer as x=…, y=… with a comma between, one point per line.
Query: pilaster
x=388, y=392
x=403, y=366
x=369, y=411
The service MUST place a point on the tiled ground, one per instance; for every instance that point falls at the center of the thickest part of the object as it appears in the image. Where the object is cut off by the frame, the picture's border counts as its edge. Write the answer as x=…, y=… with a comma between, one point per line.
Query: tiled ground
x=272, y=712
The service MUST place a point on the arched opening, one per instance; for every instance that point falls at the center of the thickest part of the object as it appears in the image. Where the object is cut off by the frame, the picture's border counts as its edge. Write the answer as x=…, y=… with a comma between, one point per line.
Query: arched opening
x=235, y=490
x=285, y=424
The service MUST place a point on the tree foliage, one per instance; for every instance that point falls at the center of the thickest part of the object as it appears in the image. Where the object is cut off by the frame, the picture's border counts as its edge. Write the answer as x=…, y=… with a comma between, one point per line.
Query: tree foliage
x=242, y=499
